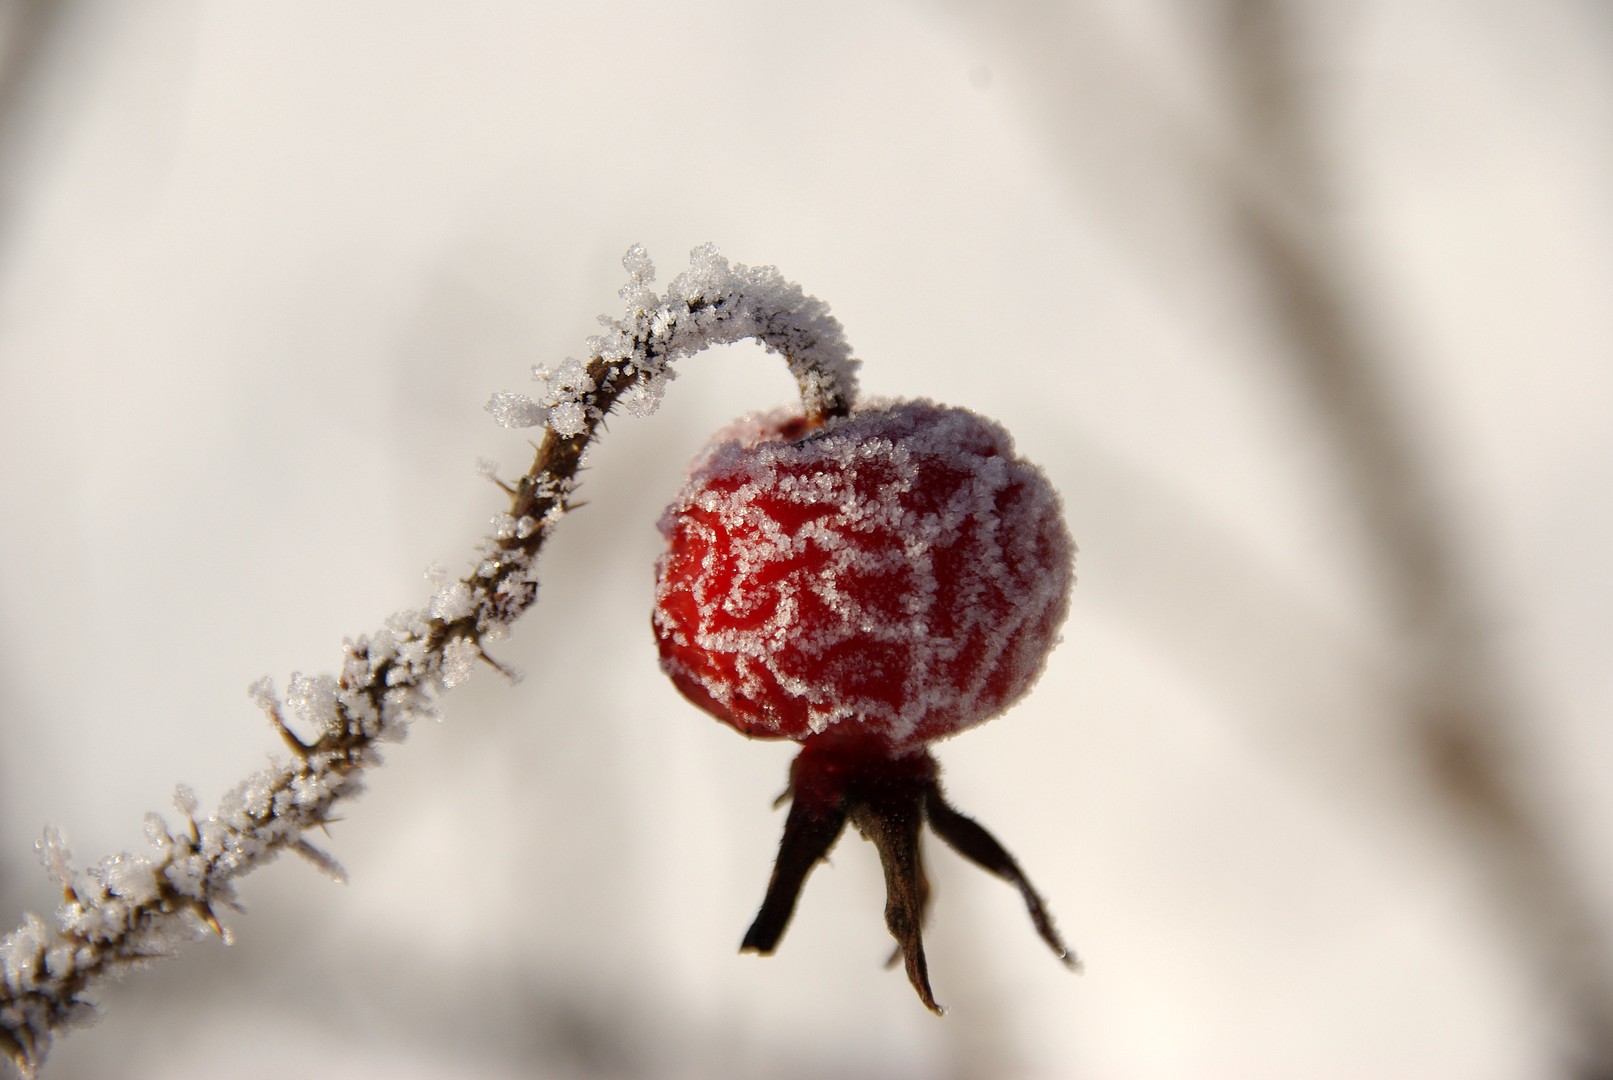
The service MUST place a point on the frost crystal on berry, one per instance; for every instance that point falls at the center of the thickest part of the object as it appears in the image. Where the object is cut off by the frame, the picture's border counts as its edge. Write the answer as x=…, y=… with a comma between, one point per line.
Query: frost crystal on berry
x=899, y=569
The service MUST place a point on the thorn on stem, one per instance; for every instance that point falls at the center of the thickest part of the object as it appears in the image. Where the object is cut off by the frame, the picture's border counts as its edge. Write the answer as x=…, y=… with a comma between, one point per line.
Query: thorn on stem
x=509, y=673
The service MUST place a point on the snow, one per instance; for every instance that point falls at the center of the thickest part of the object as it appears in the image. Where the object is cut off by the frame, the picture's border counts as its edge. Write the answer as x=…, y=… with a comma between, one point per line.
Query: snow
x=21, y=951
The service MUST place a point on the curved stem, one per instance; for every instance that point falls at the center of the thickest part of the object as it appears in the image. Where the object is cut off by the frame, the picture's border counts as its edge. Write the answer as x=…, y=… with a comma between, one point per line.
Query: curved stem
x=128, y=909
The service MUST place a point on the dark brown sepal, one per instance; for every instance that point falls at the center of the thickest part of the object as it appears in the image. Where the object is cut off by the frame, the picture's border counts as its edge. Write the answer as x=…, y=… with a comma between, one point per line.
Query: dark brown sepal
x=809, y=832
x=888, y=796
x=970, y=839
x=892, y=825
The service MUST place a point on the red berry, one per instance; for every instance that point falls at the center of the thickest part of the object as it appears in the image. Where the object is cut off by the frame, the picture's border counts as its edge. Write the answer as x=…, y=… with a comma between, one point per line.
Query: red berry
x=864, y=588
x=898, y=570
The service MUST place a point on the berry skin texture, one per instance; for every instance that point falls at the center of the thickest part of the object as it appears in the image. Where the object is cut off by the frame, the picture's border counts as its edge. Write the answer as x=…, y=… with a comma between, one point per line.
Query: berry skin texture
x=898, y=571
x=864, y=588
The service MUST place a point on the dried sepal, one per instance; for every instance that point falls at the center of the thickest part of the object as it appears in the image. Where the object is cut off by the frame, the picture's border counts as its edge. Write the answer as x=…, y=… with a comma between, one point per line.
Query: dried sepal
x=970, y=839
x=809, y=832
x=889, y=796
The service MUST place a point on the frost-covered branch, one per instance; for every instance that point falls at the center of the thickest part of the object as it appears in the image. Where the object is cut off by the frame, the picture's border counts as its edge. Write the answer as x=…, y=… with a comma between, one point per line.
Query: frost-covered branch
x=128, y=909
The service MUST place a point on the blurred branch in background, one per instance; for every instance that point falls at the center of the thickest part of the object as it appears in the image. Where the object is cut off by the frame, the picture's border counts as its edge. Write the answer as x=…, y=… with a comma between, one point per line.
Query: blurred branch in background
x=1464, y=714
x=29, y=31
x=1231, y=129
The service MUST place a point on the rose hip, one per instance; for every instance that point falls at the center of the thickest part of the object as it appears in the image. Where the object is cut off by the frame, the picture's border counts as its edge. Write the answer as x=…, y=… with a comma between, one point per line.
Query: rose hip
x=865, y=588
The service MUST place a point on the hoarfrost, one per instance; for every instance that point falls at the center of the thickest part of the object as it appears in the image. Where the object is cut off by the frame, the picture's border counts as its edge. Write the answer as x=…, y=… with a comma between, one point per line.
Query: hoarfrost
x=56, y=857
x=643, y=398
x=185, y=799
x=156, y=830
x=515, y=410
x=711, y=303
x=568, y=419
x=452, y=602
x=312, y=700
x=21, y=950
x=321, y=859
x=458, y=657
x=130, y=877
x=567, y=382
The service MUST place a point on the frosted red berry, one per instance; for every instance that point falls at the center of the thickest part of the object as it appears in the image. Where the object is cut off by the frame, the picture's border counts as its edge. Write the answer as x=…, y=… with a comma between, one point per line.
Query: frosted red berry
x=864, y=588
x=899, y=570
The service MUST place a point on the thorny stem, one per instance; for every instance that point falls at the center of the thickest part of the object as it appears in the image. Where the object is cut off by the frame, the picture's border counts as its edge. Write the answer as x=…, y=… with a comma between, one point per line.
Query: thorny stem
x=129, y=909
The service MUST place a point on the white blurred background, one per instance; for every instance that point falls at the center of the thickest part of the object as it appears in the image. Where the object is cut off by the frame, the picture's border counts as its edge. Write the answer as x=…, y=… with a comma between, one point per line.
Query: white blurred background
x=1304, y=307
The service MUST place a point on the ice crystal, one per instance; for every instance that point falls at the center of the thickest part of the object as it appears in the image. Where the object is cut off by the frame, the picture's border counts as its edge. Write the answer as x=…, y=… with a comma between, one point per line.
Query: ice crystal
x=57, y=859
x=711, y=303
x=515, y=410
x=454, y=601
x=458, y=657
x=312, y=700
